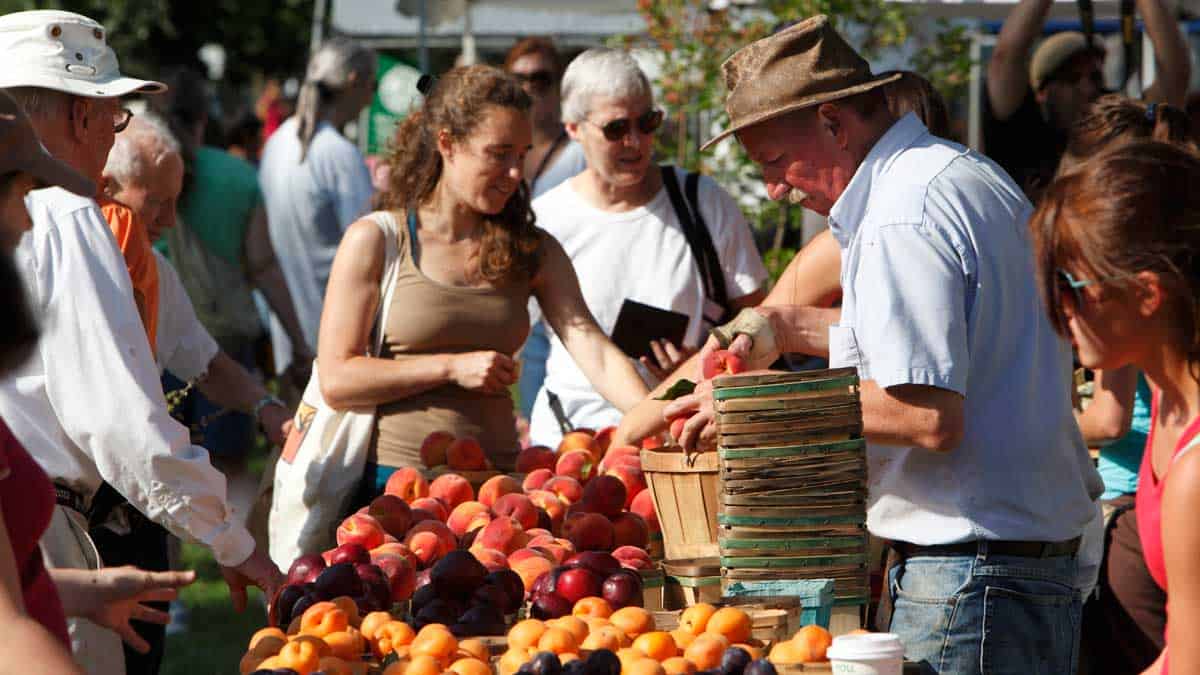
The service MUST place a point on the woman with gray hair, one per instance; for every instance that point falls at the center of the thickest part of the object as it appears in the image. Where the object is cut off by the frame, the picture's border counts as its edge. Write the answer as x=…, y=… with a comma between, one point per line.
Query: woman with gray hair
x=315, y=182
x=645, y=255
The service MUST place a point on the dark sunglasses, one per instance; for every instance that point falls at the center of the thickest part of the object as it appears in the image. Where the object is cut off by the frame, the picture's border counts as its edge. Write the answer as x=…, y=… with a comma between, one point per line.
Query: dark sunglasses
x=1070, y=289
x=647, y=123
x=539, y=80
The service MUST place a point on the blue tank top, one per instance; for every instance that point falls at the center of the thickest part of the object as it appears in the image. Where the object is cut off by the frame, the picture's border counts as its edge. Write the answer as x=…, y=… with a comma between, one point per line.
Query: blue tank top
x=1121, y=459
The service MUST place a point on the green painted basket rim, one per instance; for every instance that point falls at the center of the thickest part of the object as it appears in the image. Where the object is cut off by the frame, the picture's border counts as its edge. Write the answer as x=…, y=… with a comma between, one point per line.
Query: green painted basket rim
x=748, y=562
x=792, y=544
x=723, y=519
x=789, y=450
x=758, y=390
x=852, y=600
x=695, y=582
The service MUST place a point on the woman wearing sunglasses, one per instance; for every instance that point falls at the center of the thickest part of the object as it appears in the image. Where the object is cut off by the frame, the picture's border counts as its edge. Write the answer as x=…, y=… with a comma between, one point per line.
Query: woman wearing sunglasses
x=469, y=260
x=626, y=238
x=1117, y=243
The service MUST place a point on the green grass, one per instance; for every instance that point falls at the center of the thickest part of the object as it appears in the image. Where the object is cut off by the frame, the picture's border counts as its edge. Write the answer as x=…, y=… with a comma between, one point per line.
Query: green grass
x=216, y=636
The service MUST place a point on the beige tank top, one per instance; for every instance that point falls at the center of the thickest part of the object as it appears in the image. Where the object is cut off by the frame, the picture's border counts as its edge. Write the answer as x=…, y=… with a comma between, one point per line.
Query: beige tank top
x=427, y=317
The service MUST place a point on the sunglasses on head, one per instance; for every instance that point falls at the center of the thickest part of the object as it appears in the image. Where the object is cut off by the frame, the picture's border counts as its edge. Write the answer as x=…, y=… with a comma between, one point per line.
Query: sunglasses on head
x=1070, y=289
x=647, y=123
x=538, y=80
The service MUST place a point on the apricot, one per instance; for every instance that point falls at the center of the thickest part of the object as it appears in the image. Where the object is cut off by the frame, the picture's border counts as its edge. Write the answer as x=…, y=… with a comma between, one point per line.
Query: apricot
x=592, y=607
x=347, y=605
x=682, y=638
x=265, y=633
x=433, y=448
x=574, y=625
x=786, y=653
x=423, y=664
x=694, y=619
x=346, y=645
x=557, y=640
x=645, y=667
x=465, y=454
x=372, y=622
x=391, y=636
x=332, y=665
x=294, y=626
x=628, y=656
x=732, y=623
x=811, y=643
x=754, y=651
x=302, y=657
x=475, y=648
x=320, y=645
x=525, y=634
x=496, y=487
x=512, y=660
x=471, y=666
x=632, y=621
x=322, y=619
x=271, y=663
x=677, y=665
x=706, y=650
x=468, y=516
x=529, y=567
x=658, y=645
x=408, y=484
x=435, y=640
x=452, y=489
x=606, y=637
x=250, y=662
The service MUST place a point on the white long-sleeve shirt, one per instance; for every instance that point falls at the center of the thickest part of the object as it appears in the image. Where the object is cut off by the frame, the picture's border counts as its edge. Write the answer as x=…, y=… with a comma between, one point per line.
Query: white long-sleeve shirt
x=88, y=404
x=185, y=348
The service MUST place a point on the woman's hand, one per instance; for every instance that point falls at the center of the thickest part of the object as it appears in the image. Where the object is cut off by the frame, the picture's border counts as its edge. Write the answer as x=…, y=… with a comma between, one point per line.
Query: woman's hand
x=488, y=372
x=115, y=596
x=700, y=431
x=667, y=357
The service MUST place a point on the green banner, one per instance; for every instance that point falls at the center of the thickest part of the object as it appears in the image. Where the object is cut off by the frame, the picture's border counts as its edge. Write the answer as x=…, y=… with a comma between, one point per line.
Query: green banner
x=396, y=95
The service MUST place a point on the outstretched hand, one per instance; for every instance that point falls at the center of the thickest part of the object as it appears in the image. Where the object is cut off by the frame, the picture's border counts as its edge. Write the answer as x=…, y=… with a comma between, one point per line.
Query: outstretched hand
x=116, y=596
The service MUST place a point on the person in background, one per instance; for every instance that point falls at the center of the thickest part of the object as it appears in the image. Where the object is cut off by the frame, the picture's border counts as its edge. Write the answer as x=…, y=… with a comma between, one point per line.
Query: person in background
x=554, y=158
x=315, y=183
x=812, y=278
x=1116, y=242
x=1031, y=103
x=221, y=250
x=34, y=601
x=244, y=137
x=621, y=228
x=940, y=303
x=470, y=257
x=89, y=403
x=1124, y=624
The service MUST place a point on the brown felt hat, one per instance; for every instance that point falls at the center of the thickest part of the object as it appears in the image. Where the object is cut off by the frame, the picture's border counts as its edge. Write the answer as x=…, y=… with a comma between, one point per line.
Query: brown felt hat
x=805, y=65
x=20, y=150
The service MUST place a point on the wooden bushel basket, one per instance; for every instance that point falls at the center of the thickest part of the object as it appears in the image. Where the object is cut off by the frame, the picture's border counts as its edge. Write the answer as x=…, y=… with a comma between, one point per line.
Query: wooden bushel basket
x=686, y=498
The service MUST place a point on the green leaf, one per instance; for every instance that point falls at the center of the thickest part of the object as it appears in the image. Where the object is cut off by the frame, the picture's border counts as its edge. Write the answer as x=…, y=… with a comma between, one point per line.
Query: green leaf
x=681, y=388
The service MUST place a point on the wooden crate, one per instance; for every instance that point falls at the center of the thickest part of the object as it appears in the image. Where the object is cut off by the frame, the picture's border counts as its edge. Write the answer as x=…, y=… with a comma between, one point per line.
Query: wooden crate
x=685, y=490
x=690, y=581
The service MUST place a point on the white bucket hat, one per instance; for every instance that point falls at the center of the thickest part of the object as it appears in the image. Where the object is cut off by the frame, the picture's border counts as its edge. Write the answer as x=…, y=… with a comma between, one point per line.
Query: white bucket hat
x=65, y=52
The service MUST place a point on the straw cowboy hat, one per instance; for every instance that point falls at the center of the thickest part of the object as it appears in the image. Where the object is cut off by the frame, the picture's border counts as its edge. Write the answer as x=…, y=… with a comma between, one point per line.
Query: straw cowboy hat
x=802, y=66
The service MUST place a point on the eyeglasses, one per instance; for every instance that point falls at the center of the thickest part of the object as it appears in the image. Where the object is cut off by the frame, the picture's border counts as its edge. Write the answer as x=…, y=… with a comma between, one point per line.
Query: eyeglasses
x=121, y=119
x=647, y=123
x=539, y=81
x=1070, y=289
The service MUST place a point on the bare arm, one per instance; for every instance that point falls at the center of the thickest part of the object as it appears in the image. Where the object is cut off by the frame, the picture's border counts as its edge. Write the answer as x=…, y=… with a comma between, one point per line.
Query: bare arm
x=113, y=596
x=348, y=376
x=1008, y=69
x=229, y=385
x=266, y=276
x=1172, y=60
x=26, y=642
x=606, y=366
x=1111, y=411
x=1181, y=549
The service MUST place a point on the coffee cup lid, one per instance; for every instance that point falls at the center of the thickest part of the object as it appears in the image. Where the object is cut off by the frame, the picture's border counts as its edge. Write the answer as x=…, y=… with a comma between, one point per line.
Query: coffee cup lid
x=866, y=646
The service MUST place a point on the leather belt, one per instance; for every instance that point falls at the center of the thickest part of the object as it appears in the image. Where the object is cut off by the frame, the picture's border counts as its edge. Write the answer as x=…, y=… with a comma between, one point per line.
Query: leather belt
x=69, y=498
x=1016, y=549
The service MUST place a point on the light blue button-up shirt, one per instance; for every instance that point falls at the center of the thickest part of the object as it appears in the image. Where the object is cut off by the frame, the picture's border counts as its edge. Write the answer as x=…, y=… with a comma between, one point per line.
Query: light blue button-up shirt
x=940, y=290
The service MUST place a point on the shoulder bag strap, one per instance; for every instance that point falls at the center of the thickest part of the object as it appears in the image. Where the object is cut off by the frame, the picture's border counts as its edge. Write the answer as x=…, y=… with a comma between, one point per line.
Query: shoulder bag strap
x=387, y=281
x=720, y=294
x=690, y=231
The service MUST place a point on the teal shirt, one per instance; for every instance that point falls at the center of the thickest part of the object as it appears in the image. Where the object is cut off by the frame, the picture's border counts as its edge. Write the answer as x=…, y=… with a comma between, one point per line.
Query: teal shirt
x=1121, y=459
x=220, y=201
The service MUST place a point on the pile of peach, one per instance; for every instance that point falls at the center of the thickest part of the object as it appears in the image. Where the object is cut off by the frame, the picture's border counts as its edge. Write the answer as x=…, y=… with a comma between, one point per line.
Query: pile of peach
x=808, y=645
x=700, y=642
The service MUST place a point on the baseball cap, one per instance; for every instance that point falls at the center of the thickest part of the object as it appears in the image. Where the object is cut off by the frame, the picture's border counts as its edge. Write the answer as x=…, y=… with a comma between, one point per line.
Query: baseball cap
x=65, y=52
x=1054, y=52
x=20, y=150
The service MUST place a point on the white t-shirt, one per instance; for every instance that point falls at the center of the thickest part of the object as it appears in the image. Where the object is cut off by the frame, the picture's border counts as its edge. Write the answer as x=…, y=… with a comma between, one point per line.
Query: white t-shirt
x=184, y=346
x=639, y=255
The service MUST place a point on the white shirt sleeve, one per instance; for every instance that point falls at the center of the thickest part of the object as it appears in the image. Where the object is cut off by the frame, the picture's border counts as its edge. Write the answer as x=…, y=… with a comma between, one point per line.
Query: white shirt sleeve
x=103, y=385
x=184, y=347
x=731, y=235
x=352, y=188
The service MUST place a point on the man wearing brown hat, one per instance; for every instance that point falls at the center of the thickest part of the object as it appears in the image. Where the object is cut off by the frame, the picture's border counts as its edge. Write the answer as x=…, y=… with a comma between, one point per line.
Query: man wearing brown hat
x=1032, y=103
x=89, y=406
x=977, y=474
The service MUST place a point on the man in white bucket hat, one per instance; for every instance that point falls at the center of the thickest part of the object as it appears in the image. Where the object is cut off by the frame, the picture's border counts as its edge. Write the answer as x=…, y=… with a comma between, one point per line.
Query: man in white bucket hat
x=90, y=407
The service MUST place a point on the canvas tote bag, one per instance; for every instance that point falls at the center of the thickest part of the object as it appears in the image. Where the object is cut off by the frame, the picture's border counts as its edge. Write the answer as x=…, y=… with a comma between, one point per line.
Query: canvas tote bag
x=322, y=461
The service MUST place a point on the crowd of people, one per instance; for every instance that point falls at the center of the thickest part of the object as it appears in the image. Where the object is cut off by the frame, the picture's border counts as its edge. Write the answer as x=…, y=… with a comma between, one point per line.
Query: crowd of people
x=526, y=239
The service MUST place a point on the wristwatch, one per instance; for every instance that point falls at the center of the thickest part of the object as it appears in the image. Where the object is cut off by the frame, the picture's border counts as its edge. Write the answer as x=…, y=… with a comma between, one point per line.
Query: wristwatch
x=266, y=401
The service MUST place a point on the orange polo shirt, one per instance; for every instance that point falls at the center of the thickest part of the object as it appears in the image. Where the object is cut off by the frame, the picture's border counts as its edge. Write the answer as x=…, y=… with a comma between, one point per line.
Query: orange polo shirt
x=139, y=260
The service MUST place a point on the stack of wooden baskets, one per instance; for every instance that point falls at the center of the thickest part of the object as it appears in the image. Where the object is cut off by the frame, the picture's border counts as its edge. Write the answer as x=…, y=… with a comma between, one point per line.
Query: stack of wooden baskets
x=793, y=479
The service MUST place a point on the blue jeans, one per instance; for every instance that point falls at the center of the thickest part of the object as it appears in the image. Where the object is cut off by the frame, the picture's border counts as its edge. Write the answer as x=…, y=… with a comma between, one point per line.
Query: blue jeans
x=987, y=614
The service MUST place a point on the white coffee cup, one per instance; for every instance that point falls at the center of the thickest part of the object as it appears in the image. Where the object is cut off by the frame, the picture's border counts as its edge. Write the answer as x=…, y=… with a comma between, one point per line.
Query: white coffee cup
x=867, y=654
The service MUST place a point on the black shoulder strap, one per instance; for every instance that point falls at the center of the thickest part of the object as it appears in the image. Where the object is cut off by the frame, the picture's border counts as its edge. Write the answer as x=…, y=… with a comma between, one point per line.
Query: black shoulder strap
x=698, y=238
